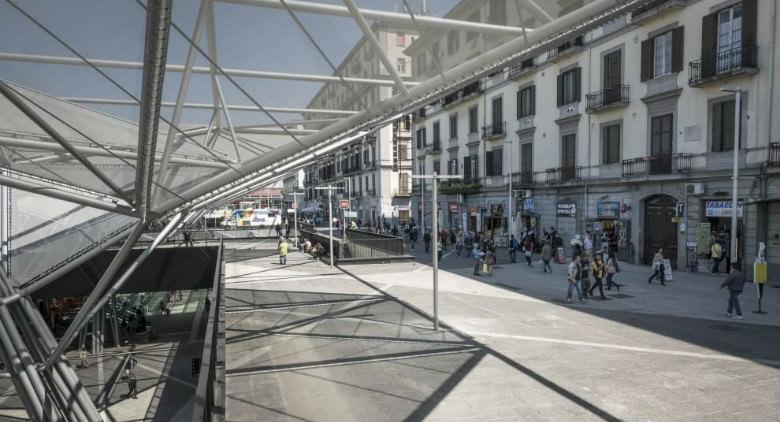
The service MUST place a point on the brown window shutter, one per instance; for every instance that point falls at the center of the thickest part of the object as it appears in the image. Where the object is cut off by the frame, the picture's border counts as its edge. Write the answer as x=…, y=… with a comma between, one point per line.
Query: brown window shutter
x=708, y=46
x=677, y=48
x=560, y=90
x=577, y=84
x=749, y=22
x=488, y=163
x=532, y=101
x=497, y=162
x=647, y=60
x=519, y=104
x=467, y=169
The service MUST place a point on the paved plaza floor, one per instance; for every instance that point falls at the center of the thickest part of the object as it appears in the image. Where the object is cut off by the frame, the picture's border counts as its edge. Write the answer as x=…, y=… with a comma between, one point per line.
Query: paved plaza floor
x=310, y=343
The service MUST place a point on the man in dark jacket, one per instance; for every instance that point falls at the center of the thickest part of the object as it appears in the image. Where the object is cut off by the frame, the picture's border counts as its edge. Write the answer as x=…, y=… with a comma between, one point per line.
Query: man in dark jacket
x=735, y=282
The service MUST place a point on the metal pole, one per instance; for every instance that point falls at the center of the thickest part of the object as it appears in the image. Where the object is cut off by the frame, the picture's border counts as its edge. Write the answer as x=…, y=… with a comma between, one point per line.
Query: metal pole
x=509, y=196
x=422, y=206
x=735, y=177
x=330, y=224
x=435, y=211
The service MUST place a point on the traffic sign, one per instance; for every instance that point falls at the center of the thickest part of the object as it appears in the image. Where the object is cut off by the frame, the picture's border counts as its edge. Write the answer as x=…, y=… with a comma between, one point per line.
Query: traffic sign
x=344, y=204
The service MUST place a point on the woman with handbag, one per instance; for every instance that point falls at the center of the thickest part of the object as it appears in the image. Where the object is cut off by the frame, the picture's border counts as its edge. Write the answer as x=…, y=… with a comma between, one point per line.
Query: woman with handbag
x=658, y=267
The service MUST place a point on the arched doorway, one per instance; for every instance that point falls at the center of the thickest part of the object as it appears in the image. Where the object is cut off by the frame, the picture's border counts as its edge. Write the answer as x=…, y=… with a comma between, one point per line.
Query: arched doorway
x=660, y=231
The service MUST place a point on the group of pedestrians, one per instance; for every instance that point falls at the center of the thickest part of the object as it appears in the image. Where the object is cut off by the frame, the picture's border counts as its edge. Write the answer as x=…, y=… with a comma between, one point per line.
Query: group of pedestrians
x=580, y=270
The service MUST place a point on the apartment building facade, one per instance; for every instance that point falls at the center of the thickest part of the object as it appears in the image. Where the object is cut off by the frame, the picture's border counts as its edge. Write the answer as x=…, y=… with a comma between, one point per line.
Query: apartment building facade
x=625, y=132
x=374, y=172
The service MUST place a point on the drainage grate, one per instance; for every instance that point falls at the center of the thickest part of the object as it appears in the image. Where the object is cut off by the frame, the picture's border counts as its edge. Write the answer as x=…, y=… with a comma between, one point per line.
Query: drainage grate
x=725, y=327
x=621, y=296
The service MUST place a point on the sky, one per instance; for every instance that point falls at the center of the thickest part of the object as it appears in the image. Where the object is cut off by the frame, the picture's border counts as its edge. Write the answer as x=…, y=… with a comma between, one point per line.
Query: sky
x=247, y=37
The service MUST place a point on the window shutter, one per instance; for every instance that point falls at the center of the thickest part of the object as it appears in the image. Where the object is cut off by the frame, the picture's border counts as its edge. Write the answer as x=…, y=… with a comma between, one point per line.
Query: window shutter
x=728, y=125
x=475, y=167
x=519, y=104
x=532, y=101
x=577, y=84
x=467, y=169
x=749, y=22
x=560, y=90
x=708, y=46
x=646, y=72
x=677, y=48
x=498, y=162
x=488, y=163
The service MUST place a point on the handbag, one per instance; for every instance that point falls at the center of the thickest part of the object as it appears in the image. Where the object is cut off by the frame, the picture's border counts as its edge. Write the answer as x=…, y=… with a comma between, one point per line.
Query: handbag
x=485, y=268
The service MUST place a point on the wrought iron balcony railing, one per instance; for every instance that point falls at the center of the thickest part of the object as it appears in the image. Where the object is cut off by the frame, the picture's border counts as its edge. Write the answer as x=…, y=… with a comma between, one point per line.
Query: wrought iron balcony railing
x=607, y=98
x=774, y=154
x=659, y=164
x=725, y=64
x=494, y=131
x=523, y=178
x=563, y=174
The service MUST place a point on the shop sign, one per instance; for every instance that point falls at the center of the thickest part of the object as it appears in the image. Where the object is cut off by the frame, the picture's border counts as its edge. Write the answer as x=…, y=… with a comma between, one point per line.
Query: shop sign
x=625, y=209
x=454, y=206
x=608, y=209
x=567, y=210
x=721, y=209
x=528, y=204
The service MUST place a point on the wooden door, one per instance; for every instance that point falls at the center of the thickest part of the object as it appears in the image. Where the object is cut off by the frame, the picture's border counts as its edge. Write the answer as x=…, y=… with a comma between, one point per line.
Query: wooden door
x=659, y=230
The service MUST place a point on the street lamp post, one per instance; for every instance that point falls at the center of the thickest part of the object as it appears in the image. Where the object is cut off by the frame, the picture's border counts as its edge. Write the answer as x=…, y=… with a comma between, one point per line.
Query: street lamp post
x=735, y=172
x=295, y=202
x=330, y=190
x=509, y=195
x=435, y=250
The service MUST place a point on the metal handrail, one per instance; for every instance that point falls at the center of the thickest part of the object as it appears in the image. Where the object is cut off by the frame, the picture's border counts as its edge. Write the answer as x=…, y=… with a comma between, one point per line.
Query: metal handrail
x=724, y=62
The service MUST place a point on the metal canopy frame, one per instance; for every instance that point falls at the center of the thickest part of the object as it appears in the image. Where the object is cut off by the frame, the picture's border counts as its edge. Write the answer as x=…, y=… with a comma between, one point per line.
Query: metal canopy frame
x=48, y=386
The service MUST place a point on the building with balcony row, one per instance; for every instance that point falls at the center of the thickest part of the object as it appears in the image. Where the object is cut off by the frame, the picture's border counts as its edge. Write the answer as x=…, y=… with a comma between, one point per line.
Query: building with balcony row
x=374, y=171
x=625, y=131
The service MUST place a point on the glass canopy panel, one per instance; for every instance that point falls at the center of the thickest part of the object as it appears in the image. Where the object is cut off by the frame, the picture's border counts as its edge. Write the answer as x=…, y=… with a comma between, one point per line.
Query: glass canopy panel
x=47, y=233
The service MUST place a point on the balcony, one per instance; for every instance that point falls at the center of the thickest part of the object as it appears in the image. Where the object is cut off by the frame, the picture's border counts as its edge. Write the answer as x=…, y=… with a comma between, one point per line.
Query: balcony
x=654, y=9
x=560, y=175
x=774, y=154
x=523, y=178
x=494, y=131
x=660, y=164
x=726, y=64
x=404, y=192
x=436, y=147
x=607, y=98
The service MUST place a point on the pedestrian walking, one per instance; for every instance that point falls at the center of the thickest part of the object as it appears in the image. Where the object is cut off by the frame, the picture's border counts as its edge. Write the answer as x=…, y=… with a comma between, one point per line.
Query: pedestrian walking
x=187, y=239
x=477, y=255
x=83, y=357
x=427, y=241
x=453, y=239
x=735, y=283
x=598, y=275
x=585, y=280
x=658, y=267
x=132, y=386
x=459, y=243
x=716, y=253
x=612, y=268
x=283, y=251
x=514, y=245
x=163, y=308
x=547, y=252
x=574, y=276
x=528, y=250
x=587, y=244
x=490, y=255
x=439, y=249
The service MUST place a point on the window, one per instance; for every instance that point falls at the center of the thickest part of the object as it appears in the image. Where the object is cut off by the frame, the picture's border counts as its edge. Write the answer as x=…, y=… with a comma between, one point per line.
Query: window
x=453, y=42
x=569, y=149
x=403, y=183
x=493, y=162
x=723, y=126
x=437, y=167
x=526, y=102
x=452, y=166
x=421, y=141
x=610, y=144
x=453, y=126
x=436, y=140
x=569, y=87
x=729, y=38
x=401, y=65
x=473, y=119
x=526, y=158
x=400, y=39
x=498, y=113
x=471, y=169
x=420, y=64
x=662, y=55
